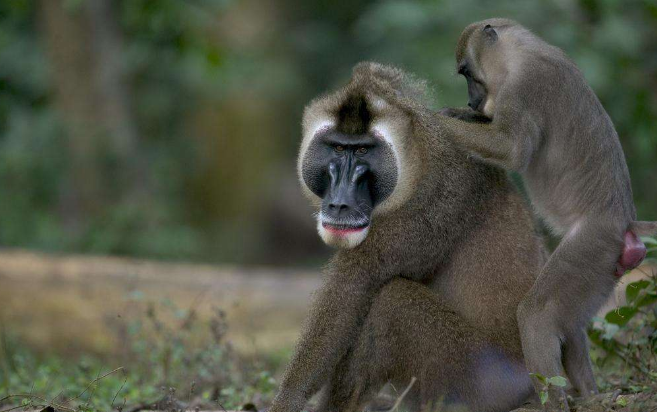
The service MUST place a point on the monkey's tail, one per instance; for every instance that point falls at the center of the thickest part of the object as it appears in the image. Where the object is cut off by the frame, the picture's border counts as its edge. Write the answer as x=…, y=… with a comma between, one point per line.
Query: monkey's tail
x=643, y=228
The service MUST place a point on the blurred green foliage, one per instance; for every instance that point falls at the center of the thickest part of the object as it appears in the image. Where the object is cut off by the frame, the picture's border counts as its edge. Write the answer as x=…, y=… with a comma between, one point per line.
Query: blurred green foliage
x=216, y=89
x=625, y=340
x=168, y=359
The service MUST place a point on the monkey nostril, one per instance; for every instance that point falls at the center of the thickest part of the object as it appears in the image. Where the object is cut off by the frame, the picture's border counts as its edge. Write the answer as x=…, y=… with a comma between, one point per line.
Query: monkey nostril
x=338, y=207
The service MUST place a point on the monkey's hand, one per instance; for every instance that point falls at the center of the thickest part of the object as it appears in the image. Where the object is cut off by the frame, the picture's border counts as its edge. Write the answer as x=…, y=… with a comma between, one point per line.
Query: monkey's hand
x=464, y=113
x=455, y=112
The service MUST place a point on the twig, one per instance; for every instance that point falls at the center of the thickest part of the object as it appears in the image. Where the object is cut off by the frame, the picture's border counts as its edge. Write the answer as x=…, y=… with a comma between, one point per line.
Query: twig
x=91, y=395
x=612, y=399
x=631, y=362
x=221, y=406
x=119, y=391
x=393, y=387
x=52, y=400
x=120, y=408
x=30, y=396
x=94, y=381
x=191, y=392
x=13, y=408
x=401, y=397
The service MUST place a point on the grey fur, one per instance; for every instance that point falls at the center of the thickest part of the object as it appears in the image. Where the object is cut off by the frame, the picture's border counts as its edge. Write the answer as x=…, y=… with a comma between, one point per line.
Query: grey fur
x=548, y=125
x=432, y=291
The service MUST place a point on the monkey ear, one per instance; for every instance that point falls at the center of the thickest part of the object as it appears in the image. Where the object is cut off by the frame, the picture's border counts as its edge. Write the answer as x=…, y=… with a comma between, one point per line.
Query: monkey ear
x=490, y=33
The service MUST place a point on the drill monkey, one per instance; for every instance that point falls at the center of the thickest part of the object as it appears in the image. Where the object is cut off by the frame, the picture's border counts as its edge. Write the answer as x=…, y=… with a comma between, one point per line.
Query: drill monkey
x=531, y=111
x=422, y=231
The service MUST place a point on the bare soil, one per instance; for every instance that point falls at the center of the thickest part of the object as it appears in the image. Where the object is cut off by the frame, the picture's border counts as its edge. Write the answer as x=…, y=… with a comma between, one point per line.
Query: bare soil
x=68, y=304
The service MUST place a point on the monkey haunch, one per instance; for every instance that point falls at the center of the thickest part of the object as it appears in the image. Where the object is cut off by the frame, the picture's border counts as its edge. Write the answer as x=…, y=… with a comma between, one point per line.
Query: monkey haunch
x=436, y=250
x=548, y=125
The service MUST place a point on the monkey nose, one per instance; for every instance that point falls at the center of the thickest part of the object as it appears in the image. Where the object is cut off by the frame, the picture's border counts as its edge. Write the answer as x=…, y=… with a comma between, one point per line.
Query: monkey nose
x=338, y=208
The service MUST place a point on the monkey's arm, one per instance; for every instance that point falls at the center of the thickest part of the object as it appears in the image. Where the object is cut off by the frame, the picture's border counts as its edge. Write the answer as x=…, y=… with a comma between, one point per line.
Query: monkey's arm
x=508, y=141
x=336, y=315
x=464, y=113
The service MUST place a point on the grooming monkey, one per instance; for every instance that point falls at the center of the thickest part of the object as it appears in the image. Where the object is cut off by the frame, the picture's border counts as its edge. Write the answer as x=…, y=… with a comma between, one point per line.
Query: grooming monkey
x=435, y=252
x=547, y=124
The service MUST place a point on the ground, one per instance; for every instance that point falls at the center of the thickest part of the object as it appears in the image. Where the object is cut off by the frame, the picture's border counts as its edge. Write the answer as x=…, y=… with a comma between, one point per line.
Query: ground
x=152, y=334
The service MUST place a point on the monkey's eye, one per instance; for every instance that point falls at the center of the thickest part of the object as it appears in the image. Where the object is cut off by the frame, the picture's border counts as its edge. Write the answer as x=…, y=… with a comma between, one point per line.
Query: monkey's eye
x=361, y=150
x=339, y=149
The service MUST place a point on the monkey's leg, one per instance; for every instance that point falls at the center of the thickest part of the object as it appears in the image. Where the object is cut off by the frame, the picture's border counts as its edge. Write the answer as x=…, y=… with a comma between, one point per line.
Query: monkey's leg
x=338, y=396
x=573, y=284
x=410, y=334
x=334, y=322
x=578, y=366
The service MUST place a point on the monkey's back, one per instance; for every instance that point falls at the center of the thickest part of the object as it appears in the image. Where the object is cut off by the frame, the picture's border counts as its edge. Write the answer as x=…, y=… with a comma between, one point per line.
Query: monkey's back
x=494, y=266
x=578, y=169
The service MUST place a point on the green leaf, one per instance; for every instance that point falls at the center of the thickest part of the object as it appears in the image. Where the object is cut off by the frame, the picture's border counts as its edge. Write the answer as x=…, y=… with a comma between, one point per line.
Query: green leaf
x=649, y=240
x=621, y=401
x=559, y=381
x=540, y=377
x=620, y=316
x=633, y=289
x=544, y=397
x=646, y=300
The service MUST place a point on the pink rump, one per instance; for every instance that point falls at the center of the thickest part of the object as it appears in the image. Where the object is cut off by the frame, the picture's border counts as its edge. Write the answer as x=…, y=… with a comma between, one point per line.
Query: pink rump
x=634, y=251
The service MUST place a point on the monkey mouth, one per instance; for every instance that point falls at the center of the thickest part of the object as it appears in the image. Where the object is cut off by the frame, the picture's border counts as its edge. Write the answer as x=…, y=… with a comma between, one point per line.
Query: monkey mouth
x=343, y=233
x=344, y=229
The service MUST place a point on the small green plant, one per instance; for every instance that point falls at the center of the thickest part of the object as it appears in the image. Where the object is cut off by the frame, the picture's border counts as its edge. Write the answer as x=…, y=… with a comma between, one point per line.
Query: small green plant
x=625, y=339
x=548, y=383
x=169, y=359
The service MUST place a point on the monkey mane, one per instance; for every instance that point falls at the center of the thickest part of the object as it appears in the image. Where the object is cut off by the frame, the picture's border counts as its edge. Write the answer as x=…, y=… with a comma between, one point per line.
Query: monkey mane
x=391, y=79
x=354, y=116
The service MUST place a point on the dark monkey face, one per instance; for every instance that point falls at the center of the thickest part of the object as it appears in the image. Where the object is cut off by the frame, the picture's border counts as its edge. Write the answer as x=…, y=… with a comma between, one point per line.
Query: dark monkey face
x=470, y=66
x=476, y=88
x=352, y=174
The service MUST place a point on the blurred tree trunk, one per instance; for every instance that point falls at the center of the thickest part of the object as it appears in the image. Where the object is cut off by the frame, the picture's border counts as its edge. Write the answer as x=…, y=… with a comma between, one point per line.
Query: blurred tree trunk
x=84, y=46
x=109, y=64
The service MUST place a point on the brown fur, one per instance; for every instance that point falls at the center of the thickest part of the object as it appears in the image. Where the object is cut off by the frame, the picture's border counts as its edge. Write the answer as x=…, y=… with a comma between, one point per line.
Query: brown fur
x=432, y=291
x=548, y=125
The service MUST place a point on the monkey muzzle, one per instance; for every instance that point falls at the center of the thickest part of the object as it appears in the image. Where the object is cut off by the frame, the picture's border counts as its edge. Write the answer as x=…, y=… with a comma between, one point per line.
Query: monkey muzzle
x=347, y=205
x=477, y=94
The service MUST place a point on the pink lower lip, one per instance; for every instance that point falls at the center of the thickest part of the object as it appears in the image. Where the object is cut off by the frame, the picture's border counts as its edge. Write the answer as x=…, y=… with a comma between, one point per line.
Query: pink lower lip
x=337, y=231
